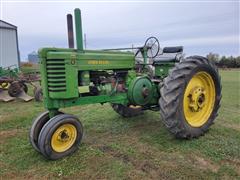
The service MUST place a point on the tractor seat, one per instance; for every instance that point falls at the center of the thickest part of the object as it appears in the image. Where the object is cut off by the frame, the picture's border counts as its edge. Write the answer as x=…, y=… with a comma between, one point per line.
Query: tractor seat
x=169, y=54
x=176, y=49
x=161, y=59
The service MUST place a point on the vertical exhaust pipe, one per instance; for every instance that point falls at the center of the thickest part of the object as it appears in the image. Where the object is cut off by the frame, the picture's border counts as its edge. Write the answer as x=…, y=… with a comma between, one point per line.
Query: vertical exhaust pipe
x=78, y=26
x=70, y=31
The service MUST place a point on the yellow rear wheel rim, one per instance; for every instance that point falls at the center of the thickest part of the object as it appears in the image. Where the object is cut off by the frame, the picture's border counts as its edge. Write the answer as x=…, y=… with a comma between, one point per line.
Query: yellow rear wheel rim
x=199, y=99
x=64, y=137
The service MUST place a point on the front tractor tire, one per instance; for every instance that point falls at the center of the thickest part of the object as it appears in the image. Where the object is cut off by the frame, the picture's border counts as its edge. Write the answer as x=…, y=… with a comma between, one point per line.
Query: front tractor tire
x=60, y=136
x=190, y=97
x=36, y=128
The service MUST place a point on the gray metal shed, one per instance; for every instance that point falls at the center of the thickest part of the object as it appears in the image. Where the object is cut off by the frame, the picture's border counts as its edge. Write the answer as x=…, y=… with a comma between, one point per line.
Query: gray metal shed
x=9, y=50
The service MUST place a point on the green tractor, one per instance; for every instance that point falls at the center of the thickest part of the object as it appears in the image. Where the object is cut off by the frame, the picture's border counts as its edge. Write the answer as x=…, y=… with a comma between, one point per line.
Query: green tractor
x=186, y=91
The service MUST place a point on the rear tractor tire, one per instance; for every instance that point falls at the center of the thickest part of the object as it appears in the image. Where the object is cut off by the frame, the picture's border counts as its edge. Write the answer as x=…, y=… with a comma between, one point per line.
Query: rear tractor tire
x=127, y=111
x=60, y=136
x=190, y=97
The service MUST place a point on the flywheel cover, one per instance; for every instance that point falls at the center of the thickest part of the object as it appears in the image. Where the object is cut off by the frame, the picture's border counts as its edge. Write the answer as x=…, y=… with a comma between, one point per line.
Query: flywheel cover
x=140, y=91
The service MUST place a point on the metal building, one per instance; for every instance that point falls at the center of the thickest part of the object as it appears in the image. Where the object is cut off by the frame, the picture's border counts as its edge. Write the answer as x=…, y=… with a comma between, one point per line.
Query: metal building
x=9, y=51
x=33, y=57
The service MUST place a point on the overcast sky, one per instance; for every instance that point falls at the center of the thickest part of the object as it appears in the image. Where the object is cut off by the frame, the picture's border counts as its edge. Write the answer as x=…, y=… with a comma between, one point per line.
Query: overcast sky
x=201, y=27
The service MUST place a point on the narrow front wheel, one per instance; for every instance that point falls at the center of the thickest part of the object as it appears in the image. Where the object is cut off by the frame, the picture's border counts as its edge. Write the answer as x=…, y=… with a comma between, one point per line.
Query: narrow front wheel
x=36, y=128
x=60, y=136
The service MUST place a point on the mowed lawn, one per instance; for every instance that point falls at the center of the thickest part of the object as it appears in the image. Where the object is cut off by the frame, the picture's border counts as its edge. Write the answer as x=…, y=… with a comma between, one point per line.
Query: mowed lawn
x=126, y=148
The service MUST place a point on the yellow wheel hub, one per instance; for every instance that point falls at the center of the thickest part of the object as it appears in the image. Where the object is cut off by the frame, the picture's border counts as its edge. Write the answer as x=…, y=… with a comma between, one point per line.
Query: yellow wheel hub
x=5, y=85
x=64, y=137
x=199, y=99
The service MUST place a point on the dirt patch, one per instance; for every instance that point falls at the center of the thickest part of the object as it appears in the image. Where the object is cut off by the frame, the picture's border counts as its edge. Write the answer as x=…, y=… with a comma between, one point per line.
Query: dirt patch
x=205, y=164
x=232, y=161
x=9, y=133
x=150, y=162
x=17, y=176
x=235, y=163
x=147, y=126
x=232, y=126
x=147, y=162
x=145, y=166
x=109, y=150
x=4, y=118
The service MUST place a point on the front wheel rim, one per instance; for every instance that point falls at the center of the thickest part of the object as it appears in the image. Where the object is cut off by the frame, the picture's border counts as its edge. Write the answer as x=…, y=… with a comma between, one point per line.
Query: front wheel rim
x=63, y=138
x=199, y=99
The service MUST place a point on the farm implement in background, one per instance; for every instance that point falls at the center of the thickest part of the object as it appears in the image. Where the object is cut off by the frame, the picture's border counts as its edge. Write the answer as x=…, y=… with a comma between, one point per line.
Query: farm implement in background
x=14, y=84
x=186, y=91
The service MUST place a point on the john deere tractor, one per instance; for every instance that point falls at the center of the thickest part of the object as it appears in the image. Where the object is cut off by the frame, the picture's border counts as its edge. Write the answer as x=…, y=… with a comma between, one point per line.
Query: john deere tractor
x=186, y=91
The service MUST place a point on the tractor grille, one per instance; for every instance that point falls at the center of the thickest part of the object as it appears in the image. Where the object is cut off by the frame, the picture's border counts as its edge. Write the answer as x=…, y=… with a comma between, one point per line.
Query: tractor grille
x=56, y=75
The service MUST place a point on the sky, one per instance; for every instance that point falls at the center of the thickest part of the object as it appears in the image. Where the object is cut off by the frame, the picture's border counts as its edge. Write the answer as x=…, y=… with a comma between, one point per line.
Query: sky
x=200, y=26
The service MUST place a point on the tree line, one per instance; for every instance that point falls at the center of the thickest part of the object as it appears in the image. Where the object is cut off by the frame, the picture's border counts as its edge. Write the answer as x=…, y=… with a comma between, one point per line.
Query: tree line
x=224, y=61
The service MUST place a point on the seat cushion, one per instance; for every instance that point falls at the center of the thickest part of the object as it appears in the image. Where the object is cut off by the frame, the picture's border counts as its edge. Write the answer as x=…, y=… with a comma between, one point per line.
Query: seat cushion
x=160, y=60
x=176, y=49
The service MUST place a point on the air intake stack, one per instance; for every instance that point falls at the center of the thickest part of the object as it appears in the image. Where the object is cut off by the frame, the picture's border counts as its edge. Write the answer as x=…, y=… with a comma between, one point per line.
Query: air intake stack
x=78, y=26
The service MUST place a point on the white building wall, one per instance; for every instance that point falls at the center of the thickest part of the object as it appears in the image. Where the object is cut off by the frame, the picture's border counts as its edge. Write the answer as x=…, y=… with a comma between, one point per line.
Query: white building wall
x=8, y=48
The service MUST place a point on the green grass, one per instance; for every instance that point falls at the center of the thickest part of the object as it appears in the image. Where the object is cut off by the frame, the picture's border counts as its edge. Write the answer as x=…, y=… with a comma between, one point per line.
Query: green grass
x=126, y=148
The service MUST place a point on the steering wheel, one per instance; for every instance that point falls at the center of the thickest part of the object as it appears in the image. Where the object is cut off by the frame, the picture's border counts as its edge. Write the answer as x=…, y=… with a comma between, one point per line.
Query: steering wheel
x=153, y=47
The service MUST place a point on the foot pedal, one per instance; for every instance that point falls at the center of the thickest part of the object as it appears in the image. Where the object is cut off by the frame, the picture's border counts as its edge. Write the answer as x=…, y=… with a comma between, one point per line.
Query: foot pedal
x=5, y=97
x=22, y=95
